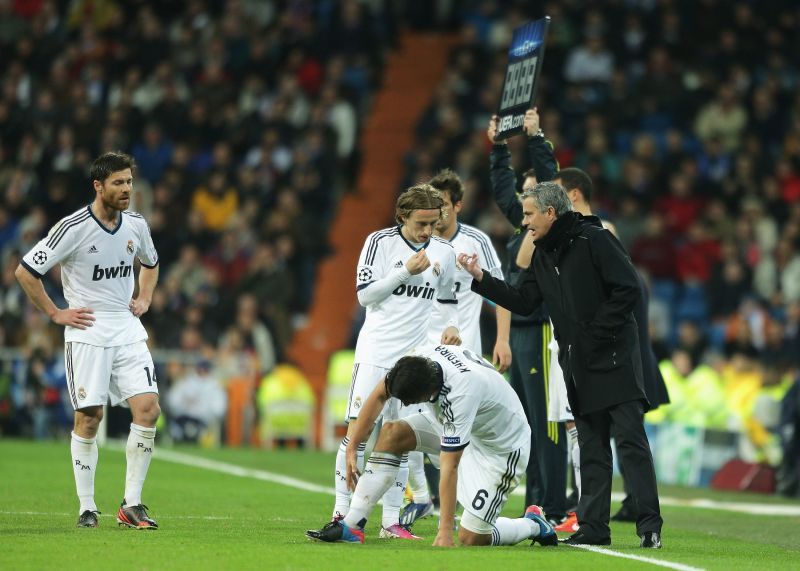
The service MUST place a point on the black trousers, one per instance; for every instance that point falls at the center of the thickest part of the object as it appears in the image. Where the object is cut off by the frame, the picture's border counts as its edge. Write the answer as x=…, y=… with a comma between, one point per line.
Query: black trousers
x=624, y=422
x=546, y=475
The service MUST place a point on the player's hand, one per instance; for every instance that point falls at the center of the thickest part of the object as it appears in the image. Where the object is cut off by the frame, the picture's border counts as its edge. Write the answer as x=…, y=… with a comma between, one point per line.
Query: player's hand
x=491, y=131
x=470, y=263
x=451, y=336
x=501, y=356
x=418, y=263
x=444, y=539
x=139, y=306
x=351, y=461
x=79, y=318
x=531, y=122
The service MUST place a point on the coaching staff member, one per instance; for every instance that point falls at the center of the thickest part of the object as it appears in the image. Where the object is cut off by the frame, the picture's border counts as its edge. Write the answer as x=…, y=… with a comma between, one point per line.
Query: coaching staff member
x=590, y=287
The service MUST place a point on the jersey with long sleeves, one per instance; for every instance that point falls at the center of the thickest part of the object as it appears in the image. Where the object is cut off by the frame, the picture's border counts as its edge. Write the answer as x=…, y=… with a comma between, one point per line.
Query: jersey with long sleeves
x=468, y=240
x=399, y=305
x=97, y=272
x=476, y=403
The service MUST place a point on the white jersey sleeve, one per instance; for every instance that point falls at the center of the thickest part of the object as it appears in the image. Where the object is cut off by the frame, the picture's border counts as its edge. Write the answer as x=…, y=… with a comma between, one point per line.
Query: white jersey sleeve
x=145, y=249
x=374, y=282
x=53, y=248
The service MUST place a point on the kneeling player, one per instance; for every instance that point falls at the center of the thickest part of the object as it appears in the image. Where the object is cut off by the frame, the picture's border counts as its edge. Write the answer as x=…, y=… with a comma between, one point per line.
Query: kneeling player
x=478, y=425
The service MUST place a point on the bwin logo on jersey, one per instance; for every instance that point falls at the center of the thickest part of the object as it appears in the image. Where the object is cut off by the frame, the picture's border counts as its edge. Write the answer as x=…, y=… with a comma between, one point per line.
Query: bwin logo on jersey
x=120, y=271
x=424, y=292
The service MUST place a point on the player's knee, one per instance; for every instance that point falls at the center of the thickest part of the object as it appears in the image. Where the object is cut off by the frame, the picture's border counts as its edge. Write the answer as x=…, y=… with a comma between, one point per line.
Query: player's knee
x=87, y=421
x=147, y=413
x=396, y=437
x=470, y=538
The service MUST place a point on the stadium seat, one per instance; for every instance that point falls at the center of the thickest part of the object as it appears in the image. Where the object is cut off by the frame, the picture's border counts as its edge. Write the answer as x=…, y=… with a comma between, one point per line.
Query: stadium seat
x=286, y=404
x=337, y=393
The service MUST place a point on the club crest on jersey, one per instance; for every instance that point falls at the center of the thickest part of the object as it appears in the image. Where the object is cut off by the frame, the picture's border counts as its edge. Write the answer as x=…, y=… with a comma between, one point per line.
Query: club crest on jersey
x=364, y=274
x=81, y=393
x=437, y=269
x=357, y=403
x=129, y=247
x=39, y=258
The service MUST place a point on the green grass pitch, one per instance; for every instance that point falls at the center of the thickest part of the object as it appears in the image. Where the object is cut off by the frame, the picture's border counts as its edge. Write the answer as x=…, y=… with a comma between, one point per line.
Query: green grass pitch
x=215, y=520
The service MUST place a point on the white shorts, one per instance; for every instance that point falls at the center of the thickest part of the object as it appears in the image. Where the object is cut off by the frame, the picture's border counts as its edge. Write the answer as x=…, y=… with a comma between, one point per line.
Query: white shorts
x=365, y=379
x=485, y=478
x=558, y=409
x=97, y=374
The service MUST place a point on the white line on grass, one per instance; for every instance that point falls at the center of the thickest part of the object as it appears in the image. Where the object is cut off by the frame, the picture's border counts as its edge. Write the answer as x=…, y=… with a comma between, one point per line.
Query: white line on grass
x=234, y=470
x=213, y=517
x=659, y=562
x=705, y=503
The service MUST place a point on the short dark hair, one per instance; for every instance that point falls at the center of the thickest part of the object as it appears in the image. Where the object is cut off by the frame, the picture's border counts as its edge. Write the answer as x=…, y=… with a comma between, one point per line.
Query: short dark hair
x=448, y=181
x=413, y=379
x=574, y=178
x=108, y=163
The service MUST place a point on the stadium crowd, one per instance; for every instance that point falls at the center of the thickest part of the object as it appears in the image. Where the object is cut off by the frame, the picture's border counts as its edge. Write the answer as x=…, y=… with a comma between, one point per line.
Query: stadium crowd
x=243, y=117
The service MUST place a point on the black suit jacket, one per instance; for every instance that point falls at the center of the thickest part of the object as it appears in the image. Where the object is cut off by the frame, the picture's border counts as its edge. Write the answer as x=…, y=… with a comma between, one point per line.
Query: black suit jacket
x=590, y=287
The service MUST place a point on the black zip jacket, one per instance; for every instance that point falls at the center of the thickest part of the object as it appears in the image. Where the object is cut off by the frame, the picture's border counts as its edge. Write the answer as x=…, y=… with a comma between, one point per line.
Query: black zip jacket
x=590, y=287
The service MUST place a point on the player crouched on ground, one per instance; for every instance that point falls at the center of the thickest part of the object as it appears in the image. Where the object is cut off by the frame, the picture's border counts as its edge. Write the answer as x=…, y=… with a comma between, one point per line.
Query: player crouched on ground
x=477, y=425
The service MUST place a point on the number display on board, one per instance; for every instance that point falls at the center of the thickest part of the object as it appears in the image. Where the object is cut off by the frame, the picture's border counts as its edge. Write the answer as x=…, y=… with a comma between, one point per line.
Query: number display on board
x=519, y=83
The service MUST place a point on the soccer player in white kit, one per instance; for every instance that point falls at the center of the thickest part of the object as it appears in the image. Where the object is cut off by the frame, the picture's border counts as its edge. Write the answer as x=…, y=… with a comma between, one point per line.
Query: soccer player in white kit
x=105, y=349
x=480, y=429
x=464, y=238
x=402, y=272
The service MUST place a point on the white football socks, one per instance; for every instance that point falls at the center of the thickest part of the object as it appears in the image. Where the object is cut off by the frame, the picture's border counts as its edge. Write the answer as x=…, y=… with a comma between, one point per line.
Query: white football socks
x=138, y=452
x=380, y=474
x=511, y=531
x=393, y=498
x=416, y=478
x=84, y=466
x=576, y=457
x=342, y=502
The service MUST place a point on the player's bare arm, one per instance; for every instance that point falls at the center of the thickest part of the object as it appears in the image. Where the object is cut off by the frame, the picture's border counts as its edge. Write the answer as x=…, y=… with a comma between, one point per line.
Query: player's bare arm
x=148, y=277
x=362, y=427
x=501, y=355
x=80, y=318
x=470, y=263
x=525, y=252
x=448, y=485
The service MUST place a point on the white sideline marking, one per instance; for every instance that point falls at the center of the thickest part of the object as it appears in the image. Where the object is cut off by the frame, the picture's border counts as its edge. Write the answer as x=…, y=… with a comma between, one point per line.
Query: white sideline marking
x=234, y=470
x=115, y=515
x=792, y=510
x=659, y=562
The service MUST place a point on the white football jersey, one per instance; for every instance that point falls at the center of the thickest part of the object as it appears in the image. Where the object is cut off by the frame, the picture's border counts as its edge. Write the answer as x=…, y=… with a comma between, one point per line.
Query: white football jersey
x=400, y=321
x=476, y=402
x=97, y=272
x=468, y=240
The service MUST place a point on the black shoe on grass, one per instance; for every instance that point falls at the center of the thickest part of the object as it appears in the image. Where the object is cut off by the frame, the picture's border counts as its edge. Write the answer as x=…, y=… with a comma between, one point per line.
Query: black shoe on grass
x=87, y=519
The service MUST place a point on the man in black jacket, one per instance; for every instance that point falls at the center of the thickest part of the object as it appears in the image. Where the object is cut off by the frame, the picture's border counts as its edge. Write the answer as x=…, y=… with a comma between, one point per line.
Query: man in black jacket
x=546, y=475
x=579, y=187
x=590, y=287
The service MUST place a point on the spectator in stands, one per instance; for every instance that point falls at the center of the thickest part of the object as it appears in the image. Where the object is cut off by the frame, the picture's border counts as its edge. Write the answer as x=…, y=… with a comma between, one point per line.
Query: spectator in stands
x=196, y=404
